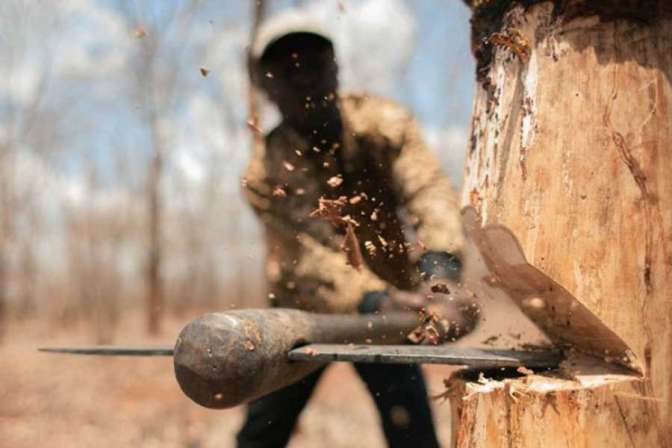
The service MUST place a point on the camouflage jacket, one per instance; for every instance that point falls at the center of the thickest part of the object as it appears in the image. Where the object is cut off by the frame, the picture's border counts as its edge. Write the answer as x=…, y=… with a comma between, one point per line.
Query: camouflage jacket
x=395, y=191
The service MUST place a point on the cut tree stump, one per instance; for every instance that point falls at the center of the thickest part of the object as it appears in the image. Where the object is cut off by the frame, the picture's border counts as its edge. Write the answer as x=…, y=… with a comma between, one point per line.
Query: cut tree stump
x=570, y=148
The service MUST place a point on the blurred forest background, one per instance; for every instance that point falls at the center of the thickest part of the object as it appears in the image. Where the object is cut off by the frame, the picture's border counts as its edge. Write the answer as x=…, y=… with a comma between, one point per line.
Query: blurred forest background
x=123, y=136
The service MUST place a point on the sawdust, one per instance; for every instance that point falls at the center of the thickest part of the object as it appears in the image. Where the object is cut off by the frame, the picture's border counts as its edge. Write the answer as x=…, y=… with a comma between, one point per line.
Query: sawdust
x=335, y=181
x=331, y=210
x=279, y=192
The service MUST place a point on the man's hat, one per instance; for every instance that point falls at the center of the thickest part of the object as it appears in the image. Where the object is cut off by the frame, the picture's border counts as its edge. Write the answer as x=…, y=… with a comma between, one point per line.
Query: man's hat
x=283, y=24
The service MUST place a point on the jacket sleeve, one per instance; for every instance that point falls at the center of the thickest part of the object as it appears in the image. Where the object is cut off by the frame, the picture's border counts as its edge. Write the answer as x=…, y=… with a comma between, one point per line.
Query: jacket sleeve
x=426, y=192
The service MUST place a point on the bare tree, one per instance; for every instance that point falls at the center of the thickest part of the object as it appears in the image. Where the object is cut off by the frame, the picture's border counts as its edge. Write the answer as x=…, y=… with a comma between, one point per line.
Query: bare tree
x=258, y=13
x=97, y=235
x=156, y=76
x=30, y=127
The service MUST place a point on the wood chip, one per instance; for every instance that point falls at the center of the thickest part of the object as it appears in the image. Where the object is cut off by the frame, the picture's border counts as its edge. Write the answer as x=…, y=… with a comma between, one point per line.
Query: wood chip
x=513, y=40
x=335, y=181
x=370, y=248
x=252, y=125
x=288, y=166
x=140, y=32
x=279, y=192
x=525, y=371
x=330, y=209
x=432, y=335
x=351, y=248
x=440, y=288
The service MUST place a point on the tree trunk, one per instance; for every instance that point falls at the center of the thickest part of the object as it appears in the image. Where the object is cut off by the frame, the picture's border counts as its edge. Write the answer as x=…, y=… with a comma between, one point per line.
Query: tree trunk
x=3, y=291
x=244, y=294
x=6, y=232
x=154, y=280
x=570, y=144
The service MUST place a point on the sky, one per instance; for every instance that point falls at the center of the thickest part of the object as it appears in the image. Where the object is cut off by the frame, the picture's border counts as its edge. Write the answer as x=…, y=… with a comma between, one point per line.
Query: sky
x=74, y=107
x=414, y=51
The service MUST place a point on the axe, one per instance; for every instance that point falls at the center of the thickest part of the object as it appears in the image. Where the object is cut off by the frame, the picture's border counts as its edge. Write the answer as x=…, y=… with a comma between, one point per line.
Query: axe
x=225, y=359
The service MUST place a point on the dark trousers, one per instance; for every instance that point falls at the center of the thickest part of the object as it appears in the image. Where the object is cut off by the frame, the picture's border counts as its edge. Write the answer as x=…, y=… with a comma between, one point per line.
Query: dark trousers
x=399, y=393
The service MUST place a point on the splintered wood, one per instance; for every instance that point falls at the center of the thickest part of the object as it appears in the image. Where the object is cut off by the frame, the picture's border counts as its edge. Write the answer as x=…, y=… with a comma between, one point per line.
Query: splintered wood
x=351, y=247
x=570, y=149
x=331, y=210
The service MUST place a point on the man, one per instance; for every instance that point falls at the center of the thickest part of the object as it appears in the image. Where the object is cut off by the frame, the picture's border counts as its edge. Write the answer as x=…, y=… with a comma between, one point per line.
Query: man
x=355, y=209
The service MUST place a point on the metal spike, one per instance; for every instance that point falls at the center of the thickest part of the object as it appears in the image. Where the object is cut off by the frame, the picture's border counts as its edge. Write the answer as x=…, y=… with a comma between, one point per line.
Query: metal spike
x=111, y=351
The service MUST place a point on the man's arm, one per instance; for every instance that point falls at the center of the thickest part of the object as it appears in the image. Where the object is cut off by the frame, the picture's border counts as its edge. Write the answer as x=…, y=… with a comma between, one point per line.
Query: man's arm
x=426, y=193
x=432, y=206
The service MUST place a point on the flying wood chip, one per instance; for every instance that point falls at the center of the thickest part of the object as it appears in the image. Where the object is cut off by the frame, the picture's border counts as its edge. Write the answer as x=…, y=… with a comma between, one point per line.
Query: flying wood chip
x=279, y=192
x=370, y=247
x=288, y=166
x=140, y=32
x=440, y=288
x=351, y=248
x=253, y=126
x=335, y=181
x=330, y=209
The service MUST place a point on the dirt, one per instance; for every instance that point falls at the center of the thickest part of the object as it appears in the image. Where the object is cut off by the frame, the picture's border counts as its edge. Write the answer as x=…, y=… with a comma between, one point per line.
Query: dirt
x=67, y=401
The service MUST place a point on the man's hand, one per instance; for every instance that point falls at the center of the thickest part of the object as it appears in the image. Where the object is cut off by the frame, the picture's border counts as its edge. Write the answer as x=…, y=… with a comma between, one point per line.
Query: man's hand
x=405, y=300
x=445, y=309
x=449, y=313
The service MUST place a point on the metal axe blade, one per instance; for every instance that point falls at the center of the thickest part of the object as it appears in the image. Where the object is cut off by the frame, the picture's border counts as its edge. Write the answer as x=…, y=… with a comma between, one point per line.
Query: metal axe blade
x=427, y=354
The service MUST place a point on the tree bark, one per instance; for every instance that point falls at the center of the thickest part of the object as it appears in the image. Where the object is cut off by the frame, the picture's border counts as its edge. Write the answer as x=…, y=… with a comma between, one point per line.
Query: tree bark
x=243, y=291
x=569, y=148
x=155, y=299
x=6, y=232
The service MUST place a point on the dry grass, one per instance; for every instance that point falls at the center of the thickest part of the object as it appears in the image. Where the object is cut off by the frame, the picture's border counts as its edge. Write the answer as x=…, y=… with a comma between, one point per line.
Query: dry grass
x=62, y=401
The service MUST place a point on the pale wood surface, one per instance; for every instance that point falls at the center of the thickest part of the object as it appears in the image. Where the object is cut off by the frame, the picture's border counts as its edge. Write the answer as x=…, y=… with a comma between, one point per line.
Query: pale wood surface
x=590, y=410
x=570, y=148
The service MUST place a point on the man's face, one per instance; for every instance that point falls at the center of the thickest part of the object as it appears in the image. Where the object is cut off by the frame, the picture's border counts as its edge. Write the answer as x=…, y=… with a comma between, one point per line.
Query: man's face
x=299, y=74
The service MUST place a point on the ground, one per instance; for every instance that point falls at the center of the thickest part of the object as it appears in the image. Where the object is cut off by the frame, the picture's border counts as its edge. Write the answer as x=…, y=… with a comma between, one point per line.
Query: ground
x=65, y=401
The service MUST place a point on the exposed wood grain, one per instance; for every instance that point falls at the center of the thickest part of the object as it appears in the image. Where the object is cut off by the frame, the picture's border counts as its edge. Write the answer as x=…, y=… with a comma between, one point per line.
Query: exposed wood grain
x=570, y=148
x=594, y=409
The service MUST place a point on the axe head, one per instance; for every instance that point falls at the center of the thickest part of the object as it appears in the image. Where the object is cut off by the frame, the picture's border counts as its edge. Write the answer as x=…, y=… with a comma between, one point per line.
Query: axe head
x=495, y=264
